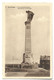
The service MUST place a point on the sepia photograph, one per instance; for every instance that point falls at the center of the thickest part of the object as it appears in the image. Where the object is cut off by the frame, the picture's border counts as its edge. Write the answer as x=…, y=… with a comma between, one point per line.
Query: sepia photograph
x=27, y=40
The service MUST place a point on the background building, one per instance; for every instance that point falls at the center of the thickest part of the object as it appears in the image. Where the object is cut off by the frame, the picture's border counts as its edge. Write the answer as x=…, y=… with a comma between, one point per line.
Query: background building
x=45, y=62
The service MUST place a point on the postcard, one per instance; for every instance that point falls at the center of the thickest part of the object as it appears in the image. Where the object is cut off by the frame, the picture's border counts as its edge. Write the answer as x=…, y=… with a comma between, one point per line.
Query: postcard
x=27, y=40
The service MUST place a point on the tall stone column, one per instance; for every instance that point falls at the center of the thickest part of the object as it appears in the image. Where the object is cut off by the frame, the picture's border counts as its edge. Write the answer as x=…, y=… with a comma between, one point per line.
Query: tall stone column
x=27, y=41
x=27, y=55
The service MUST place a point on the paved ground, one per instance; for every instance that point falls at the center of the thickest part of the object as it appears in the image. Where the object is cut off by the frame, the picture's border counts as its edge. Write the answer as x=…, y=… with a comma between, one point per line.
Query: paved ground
x=32, y=73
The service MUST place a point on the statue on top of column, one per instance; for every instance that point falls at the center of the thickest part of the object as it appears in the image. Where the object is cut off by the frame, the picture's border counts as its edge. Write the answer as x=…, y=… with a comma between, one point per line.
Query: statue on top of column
x=30, y=15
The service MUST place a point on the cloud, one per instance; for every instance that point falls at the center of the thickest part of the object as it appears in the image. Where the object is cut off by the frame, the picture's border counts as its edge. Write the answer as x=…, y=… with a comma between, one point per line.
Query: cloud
x=42, y=19
x=17, y=15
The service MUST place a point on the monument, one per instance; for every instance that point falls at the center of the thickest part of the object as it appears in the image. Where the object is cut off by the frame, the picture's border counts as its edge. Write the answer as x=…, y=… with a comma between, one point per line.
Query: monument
x=27, y=56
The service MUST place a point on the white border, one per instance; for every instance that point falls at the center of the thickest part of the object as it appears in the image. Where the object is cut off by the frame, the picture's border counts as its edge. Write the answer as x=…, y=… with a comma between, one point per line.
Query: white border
x=3, y=46
x=1, y=28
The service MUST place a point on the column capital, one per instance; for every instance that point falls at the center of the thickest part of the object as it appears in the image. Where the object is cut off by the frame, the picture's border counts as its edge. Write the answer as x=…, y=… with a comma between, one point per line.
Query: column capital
x=27, y=22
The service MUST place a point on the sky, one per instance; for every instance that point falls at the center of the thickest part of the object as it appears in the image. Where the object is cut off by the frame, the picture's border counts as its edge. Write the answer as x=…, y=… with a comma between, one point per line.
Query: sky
x=15, y=33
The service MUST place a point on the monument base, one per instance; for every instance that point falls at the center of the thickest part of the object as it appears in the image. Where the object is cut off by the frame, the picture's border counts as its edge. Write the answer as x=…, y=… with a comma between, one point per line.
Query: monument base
x=28, y=62
x=29, y=66
x=26, y=65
